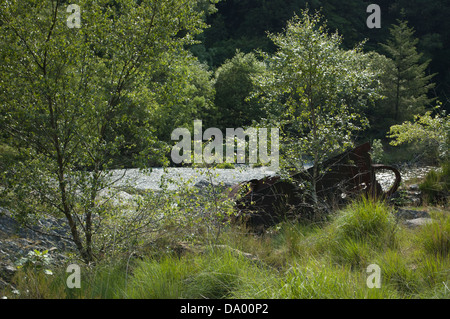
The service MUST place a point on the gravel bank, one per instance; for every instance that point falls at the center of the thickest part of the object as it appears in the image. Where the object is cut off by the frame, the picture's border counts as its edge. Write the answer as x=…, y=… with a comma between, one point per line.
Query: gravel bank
x=176, y=176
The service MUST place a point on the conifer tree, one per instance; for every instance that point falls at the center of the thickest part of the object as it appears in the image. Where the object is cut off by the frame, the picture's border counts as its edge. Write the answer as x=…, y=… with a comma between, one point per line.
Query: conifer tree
x=408, y=84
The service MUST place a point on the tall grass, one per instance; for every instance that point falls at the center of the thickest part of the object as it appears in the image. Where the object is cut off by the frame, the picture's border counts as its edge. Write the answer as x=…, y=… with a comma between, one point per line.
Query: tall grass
x=436, y=236
x=318, y=279
x=366, y=220
x=291, y=260
x=214, y=274
x=399, y=272
x=436, y=185
x=360, y=230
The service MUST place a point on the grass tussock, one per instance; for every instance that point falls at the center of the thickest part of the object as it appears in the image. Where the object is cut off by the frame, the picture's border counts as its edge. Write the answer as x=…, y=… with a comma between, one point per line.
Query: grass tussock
x=436, y=185
x=291, y=260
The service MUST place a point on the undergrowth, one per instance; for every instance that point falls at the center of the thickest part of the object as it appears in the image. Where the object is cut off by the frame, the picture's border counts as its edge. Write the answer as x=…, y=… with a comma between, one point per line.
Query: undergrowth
x=290, y=260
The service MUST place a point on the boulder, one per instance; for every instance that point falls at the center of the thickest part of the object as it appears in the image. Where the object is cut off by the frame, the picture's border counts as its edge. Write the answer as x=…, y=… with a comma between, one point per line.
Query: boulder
x=16, y=241
x=417, y=222
x=406, y=214
x=7, y=271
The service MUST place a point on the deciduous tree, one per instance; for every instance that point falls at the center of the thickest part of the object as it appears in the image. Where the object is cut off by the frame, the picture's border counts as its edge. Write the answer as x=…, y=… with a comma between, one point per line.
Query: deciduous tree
x=315, y=92
x=64, y=90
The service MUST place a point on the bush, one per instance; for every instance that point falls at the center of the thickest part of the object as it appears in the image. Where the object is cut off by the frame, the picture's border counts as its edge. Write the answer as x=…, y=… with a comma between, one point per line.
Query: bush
x=427, y=132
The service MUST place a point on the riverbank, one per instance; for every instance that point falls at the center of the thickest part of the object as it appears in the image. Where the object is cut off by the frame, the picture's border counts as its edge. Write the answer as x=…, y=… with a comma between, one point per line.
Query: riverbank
x=53, y=234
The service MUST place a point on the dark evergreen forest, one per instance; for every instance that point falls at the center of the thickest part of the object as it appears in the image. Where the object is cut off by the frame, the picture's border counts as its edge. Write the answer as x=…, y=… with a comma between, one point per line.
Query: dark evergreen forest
x=243, y=24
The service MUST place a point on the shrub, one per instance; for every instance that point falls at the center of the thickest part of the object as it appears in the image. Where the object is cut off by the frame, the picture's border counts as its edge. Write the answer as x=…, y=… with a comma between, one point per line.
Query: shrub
x=430, y=133
x=35, y=260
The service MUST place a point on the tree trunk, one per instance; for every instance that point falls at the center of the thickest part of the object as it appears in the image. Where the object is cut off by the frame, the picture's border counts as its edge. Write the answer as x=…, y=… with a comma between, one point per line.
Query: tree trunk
x=397, y=97
x=68, y=214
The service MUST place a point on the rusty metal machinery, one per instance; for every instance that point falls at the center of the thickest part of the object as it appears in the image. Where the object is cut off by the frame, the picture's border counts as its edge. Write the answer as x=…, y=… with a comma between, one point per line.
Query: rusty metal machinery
x=264, y=202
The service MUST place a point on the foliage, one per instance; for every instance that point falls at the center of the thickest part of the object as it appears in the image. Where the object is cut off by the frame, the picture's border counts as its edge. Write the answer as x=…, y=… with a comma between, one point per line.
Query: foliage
x=35, y=260
x=65, y=93
x=431, y=132
x=180, y=91
x=8, y=155
x=377, y=151
x=436, y=237
x=407, y=86
x=315, y=91
x=233, y=84
x=239, y=24
x=75, y=103
x=249, y=266
x=380, y=115
x=436, y=186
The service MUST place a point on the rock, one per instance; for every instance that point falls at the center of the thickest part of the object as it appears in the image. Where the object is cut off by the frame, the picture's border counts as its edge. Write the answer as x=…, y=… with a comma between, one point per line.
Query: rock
x=413, y=223
x=202, y=184
x=16, y=241
x=413, y=218
x=4, y=285
x=411, y=214
x=406, y=197
x=7, y=271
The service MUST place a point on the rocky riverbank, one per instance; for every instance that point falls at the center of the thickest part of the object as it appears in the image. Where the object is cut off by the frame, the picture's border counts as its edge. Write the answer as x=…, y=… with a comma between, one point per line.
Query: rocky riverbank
x=181, y=176
x=15, y=242
x=52, y=234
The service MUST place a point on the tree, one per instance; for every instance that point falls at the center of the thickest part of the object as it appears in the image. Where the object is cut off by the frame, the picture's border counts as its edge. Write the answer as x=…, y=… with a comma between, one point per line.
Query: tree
x=409, y=85
x=233, y=84
x=433, y=133
x=315, y=92
x=181, y=91
x=381, y=116
x=64, y=91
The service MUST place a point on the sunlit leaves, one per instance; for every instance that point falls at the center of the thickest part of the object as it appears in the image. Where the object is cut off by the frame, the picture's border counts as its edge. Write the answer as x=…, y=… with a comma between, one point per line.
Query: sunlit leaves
x=70, y=94
x=315, y=90
x=433, y=131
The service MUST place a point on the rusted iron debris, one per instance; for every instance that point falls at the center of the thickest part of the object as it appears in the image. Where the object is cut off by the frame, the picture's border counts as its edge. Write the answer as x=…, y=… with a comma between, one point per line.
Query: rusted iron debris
x=265, y=202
